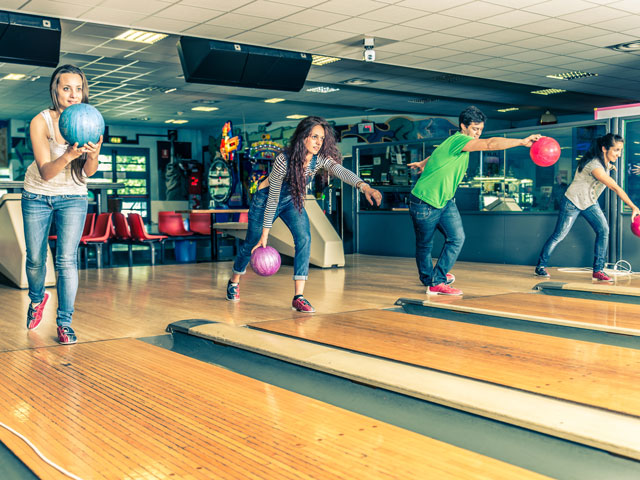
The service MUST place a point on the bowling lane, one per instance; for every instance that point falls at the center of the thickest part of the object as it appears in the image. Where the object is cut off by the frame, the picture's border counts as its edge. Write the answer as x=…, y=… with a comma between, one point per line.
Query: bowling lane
x=598, y=375
x=589, y=314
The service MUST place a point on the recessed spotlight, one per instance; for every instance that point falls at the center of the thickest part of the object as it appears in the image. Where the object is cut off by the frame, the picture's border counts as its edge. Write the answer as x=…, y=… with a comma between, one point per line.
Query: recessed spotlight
x=358, y=81
x=572, y=75
x=548, y=91
x=274, y=100
x=140, y=37
x=626, y=47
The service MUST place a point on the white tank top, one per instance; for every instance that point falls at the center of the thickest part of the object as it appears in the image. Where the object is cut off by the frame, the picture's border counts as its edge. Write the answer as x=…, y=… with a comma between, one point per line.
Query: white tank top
x=61, y=184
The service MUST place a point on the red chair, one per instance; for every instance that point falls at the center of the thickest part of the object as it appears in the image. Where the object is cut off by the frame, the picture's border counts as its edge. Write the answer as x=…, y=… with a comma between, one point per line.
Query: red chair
x=200, y=223
x=139, y=234
x=89, y=224
x=243, y=217
x=99, y=237
x=123, y=234
x=171, y=223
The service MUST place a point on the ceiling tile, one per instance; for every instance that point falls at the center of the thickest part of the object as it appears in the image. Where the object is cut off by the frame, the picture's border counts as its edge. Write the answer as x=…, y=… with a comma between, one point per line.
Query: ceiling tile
x=351, y=8
x=473, y=29
x=434, y=22
x=257, y=38
x=631, y=6
x=580, y=33
x=390, y=14
x=215, y=32
x=591, y=15
x=316, y=18
x=514, y=19
x=431, y=5
x=294, y=29
x=166, y=25
x=549, y=25
x=556, y=9
x=436, y=38
x=263, y=8
x=398, y=32
x=242, y=22
x=359, y=25
x=477, y=10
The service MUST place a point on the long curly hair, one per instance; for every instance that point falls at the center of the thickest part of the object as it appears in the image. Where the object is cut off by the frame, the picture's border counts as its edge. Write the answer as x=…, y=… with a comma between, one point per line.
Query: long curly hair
x=78, y=164
x=297, y=153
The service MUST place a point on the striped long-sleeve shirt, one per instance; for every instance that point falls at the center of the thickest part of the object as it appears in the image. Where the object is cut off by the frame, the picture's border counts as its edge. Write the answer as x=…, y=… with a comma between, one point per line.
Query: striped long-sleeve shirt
x=279, y=172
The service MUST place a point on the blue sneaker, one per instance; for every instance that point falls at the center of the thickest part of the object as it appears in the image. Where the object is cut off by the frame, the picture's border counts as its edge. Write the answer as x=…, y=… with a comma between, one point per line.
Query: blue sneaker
x=66, y=335
x=542, y=272
x=233, y=291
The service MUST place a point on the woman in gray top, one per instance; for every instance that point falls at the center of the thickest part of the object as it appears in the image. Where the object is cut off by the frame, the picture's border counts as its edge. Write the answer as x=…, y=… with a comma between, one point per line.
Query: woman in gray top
x=590, y=180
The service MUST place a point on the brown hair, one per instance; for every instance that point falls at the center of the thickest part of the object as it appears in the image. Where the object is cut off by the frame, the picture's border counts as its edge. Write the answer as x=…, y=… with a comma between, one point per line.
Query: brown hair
x=297, y=153
x=78, y=164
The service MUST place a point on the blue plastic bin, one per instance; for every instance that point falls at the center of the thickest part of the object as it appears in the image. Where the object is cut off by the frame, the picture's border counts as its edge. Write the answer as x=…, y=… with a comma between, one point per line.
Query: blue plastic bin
x=185, y=251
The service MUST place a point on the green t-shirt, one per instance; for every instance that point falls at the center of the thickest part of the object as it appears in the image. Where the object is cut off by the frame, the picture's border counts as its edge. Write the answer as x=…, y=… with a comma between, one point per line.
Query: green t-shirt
x=443, y=172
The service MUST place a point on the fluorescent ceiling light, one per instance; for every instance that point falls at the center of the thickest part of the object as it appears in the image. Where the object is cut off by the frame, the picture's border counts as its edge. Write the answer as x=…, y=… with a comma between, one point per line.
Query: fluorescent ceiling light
x=510, y=109
x=14, y=76
x=320, y=60
x=274, y=100
x=205, y=109
x=323, y=89
x=296, y=116
x=169, y=90
x=548, y=91
x=572, y=75
x=177, y=122
x=140, y=37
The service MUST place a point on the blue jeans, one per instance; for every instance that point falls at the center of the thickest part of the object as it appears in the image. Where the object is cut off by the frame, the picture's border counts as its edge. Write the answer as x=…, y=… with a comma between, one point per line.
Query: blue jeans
x=566, y=218
x=69, y=213
x=297, y=222
x=426, y=219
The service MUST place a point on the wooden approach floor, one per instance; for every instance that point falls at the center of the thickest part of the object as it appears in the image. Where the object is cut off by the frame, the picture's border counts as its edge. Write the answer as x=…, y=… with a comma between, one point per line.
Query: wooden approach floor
x=124, y=409
x=612, y=317
x=118, y=304
x=597, y=375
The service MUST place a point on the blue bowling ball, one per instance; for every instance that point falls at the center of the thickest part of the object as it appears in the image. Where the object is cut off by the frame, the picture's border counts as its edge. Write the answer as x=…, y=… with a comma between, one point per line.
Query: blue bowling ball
x=81, y=123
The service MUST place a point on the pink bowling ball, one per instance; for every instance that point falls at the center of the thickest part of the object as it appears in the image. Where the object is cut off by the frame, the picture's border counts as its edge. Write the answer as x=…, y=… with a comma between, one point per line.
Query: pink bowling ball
x=635, y=226
x=265, y=261
x=545, y=152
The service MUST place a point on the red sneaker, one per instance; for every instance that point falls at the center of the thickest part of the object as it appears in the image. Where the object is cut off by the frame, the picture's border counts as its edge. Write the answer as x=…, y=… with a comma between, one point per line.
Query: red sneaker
x=603, y=277
x=301, y=304
x=34, y=315
x=443, y=289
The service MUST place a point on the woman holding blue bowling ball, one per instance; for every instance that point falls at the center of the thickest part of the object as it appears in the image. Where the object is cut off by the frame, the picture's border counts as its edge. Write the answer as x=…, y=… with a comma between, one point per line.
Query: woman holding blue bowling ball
x=55, y=189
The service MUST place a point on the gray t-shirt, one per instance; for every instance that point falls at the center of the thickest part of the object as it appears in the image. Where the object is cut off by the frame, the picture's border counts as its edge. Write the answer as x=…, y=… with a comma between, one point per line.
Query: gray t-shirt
x=585, y=189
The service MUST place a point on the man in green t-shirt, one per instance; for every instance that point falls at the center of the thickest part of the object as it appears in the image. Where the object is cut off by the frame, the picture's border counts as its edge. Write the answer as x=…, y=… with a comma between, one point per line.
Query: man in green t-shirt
x=432, y=205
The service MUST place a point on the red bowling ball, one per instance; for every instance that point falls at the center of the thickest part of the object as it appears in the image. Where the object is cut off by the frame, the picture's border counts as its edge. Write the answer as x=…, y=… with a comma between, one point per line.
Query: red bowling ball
x=545, y=152
x=265, y=261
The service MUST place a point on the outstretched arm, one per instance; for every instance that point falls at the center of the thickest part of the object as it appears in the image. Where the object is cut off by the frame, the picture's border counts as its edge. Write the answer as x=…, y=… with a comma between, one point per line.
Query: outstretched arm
x=499, y=143
x=604, y=177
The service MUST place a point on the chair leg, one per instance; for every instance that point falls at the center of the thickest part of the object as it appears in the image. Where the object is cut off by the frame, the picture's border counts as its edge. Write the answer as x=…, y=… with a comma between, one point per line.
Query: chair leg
x=152, y=249
x=130, y=255
x=98, y=255
x=162, y=252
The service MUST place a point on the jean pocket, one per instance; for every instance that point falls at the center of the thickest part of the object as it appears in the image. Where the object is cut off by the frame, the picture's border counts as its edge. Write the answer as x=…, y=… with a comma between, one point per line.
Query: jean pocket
x=29, y=195
x=72, y=197
x=420, y=211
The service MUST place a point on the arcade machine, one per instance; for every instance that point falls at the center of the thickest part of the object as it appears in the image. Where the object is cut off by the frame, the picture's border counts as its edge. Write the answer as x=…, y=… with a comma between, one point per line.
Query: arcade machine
x=223, y=171
x=261, y=155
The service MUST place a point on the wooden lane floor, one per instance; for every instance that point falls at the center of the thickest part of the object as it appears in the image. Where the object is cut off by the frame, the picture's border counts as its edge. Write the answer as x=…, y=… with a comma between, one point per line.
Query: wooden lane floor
x=619, y=291
x=126, y=409
x=613, y=317
x=587, y=373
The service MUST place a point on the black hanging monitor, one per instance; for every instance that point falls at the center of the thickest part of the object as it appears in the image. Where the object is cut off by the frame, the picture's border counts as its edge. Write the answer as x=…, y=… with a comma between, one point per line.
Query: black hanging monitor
x=29, y=39
x=233, y=64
